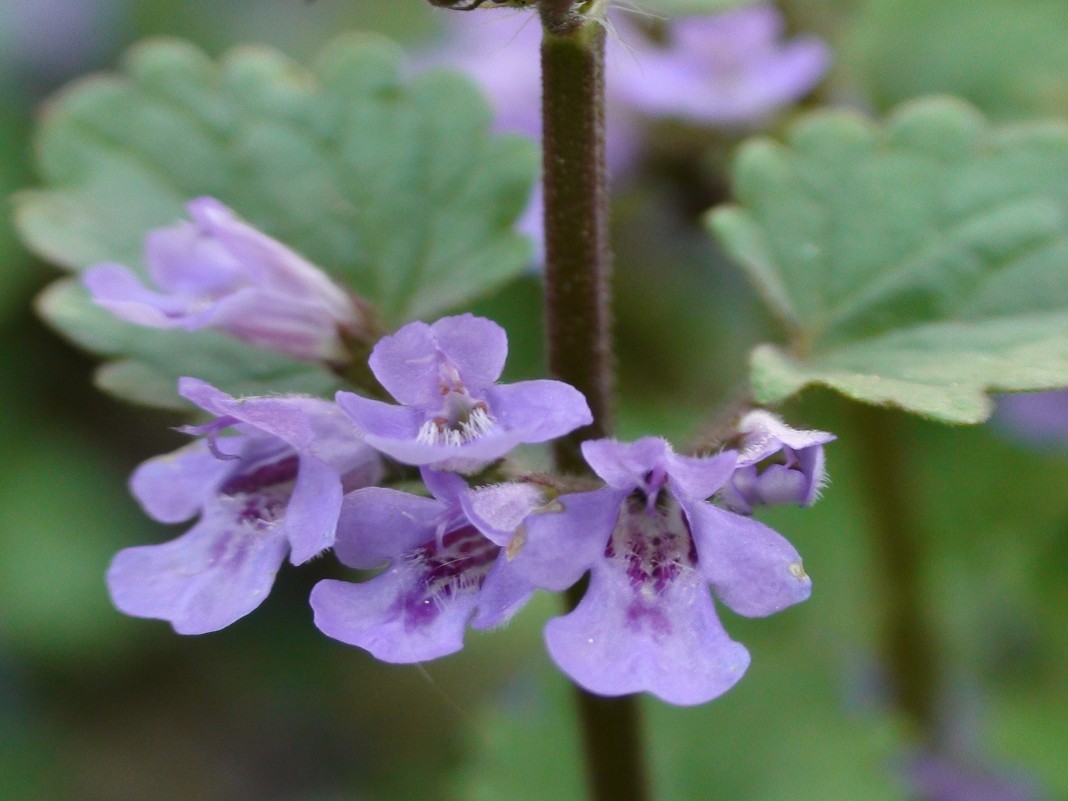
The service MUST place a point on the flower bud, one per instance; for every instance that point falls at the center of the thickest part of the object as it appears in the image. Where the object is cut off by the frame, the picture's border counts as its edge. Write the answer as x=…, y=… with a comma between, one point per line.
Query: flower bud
x=219, y=272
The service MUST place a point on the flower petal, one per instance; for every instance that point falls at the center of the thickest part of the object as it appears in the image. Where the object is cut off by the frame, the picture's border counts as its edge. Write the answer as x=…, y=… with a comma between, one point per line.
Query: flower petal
x=383, y=421
x=624, y=465
x=283, y=417
x=394, y=431
x=766, y=433
x=753, y=569
x=616, y=641
x=779, y=485
x=173, y=487
x=121, y=292
x=446, y=487
x=693, y=478
x=312, y=512
x=504, y=592
x=337, y=441
x=497, y=511
x=310, y=425
x=392, y=616
x=552, y=549
x=300, y=327
x=214, y=574
x=542, y=409
x=477, y=347
x=379, y=524
x=267, y=262
x=811, y=463
x=407, y=364
x=184, y=261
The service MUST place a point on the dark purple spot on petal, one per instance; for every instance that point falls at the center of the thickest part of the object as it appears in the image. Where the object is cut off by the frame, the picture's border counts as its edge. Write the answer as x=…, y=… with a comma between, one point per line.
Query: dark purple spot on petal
x=459, y=564
x=648, y=619
x=263, y=477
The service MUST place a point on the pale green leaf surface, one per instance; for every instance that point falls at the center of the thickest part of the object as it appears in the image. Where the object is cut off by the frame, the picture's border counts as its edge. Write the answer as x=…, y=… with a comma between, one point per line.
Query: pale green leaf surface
x=394, y=187
x=920, y=264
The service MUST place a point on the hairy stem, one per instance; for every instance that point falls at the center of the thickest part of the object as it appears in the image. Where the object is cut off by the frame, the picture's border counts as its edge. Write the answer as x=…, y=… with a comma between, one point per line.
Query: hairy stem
x=577, y=313
x=576, y=224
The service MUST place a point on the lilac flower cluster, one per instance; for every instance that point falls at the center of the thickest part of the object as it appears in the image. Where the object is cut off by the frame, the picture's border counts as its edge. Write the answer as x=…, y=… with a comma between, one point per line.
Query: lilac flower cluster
x=271, y=477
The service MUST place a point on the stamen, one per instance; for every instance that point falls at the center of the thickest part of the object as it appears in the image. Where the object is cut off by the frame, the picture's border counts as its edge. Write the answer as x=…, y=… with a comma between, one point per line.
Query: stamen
x=210, y=431
x=437, y=432
x=476, y=423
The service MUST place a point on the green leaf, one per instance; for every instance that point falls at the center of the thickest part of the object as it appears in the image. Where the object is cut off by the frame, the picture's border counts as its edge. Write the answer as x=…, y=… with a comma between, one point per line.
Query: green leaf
x=150, y=360
x=394, y=187
x=920, y=264
x=1010, y=59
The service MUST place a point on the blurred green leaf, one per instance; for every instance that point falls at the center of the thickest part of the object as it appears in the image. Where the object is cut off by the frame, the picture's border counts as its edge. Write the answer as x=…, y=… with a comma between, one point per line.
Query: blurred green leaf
x=296, y=28
x=527, y=748
x=920, y=264
x=779, y=735
x=63, y=514
x=1009, y=58
x=16, y=270
x=396, y=188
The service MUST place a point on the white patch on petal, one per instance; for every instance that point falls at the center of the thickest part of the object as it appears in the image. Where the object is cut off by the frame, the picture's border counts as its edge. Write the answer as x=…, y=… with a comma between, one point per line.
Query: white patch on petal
x=797, y=570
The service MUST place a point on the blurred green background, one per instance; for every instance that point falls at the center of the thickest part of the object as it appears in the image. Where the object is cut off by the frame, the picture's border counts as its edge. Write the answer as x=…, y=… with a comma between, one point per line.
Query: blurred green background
x=94, y=705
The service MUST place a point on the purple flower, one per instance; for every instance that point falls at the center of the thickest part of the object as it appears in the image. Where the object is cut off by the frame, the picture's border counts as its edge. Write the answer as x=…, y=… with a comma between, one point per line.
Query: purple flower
x=453, y=415
x=57, y=38
x=219, y=272
x=934, y=777
x=728, y=69
x=275, y=487
x=795, y=476
x=1039, y=418
x=653, y=545
x=446, y=560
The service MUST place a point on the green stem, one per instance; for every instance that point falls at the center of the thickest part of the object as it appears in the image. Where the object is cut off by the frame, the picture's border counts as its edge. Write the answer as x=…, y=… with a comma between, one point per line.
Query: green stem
x=577, y=314
x=908, y=645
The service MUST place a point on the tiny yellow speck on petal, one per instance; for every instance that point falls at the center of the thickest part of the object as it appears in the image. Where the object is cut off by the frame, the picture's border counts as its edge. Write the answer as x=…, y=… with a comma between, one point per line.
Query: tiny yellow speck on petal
x=515, y=545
